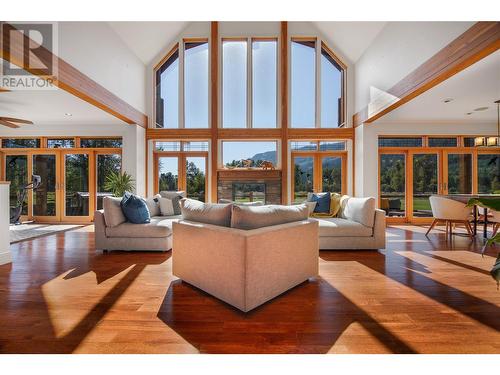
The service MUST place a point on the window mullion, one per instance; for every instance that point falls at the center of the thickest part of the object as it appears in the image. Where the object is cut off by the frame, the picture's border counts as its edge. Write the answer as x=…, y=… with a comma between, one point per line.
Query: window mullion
x=181, y=85
x=249, y=83
x=318, y=84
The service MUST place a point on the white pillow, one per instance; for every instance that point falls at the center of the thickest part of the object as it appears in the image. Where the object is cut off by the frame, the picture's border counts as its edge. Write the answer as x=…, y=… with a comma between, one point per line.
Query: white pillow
x=361, y=210
x=154, y=205
x=310, y=206
x=166, y=207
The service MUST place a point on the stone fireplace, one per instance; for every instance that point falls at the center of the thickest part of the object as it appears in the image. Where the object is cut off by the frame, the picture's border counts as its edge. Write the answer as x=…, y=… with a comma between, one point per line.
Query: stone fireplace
x=245, y=185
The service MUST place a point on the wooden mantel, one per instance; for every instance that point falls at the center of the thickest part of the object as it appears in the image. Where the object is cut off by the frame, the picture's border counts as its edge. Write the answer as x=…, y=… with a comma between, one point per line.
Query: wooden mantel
x=250, y=174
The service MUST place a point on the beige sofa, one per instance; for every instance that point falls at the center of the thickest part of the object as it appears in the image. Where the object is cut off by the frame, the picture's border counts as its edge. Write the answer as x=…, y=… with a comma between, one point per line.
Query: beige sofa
x=154, y=236
x=358, y=226
x=245, y=268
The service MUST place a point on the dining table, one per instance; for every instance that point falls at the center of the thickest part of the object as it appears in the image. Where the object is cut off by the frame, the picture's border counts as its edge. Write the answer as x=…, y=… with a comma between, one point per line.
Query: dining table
x=464, y=198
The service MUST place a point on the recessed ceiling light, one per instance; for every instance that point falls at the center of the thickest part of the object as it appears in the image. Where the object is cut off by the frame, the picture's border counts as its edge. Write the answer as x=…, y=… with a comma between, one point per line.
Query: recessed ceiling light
x=68, y=114
x=447, y=100
x=481, y=109
x=469, y=113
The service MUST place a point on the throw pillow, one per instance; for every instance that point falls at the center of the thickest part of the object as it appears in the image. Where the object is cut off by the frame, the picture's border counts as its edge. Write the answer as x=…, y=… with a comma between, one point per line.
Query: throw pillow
x=335, y=204
x=361, y=210
x=135, y=209
x=113, y=214
x=310, y=207
x=323, y=202
x=176, y=197
x=166, y=207
x=244, y=217
x=154, y=205
x=208, y=213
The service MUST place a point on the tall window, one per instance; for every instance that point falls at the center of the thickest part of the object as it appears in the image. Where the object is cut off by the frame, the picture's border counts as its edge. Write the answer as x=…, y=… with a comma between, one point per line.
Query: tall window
x=331, y=91
x=303, y=69
x=182, y=84
x=167, y=93
x=264, y=83
x=196, y=85
x=234, y=84
x=316, y=75
x=249, y=83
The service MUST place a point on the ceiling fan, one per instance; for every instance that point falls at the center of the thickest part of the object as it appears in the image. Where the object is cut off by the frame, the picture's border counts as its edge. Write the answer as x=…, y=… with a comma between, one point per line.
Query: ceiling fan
x=12, y=122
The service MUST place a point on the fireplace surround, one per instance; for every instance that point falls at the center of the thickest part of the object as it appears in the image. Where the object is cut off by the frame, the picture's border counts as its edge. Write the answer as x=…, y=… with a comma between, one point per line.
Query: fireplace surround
x=246, y=185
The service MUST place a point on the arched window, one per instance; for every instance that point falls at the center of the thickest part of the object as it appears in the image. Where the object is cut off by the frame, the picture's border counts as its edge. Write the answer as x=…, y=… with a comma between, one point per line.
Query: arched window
x=182, y=87
x=317, y=86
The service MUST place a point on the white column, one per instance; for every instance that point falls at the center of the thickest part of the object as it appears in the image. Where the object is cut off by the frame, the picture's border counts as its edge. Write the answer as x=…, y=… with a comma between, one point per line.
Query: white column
x=5, y=256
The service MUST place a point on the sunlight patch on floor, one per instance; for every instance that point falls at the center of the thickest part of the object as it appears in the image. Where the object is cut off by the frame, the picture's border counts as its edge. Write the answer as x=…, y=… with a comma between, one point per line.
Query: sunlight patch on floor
x=351, y=337
x=63, y=295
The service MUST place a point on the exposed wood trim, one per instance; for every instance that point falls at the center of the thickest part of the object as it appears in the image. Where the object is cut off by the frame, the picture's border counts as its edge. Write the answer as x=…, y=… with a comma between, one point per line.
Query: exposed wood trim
x=249, y=133
x=284, y=110
x=321, y=133
x=480, y=40
x=249, y=174
x=180, y=134
x=214, y=102
x=70, y=79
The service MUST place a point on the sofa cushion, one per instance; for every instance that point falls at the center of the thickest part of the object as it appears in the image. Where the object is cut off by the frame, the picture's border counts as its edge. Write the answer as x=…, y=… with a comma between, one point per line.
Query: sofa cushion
x=154, y=205
x=176, y=197
x=227, y=201
x=166, y=207
x=244, y=217
x=208, y=213
x=361, y=210
x=310, y=206
x=158, y=227
x=135, y=209
x=337, y=227
x=113, y=214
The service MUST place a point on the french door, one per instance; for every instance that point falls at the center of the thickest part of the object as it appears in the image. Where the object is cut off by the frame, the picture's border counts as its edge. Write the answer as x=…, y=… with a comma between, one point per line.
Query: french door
x=182, y=171
x=73, y=182
x=317, y=172
x=407, y=179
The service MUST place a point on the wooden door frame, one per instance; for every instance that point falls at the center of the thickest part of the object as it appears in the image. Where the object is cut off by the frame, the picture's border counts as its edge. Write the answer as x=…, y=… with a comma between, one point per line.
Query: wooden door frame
x=421, y=151
x=444, y=166
x=91, y=184
x=404, y=152
x=3, y=176
x=317, y=156
x=181, y=162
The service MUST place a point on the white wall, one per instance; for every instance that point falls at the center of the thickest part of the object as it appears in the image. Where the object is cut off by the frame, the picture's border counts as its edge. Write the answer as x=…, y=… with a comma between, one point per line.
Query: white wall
x=397, y=50
x=97, y=51
x=133, y=151
x=367, y=146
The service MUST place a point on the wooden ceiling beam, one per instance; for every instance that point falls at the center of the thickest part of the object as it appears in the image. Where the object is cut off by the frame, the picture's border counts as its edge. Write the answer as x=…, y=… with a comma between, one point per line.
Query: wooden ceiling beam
x=479, y=41
x=70, y=79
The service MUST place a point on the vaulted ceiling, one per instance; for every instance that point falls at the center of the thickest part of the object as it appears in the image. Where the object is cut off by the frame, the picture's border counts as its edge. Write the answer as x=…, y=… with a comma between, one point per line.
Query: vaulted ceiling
x=148, y=39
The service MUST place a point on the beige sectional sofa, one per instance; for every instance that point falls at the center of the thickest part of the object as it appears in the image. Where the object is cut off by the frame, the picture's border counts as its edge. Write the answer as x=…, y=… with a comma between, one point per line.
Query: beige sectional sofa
x=360, y=226
x=245, y=268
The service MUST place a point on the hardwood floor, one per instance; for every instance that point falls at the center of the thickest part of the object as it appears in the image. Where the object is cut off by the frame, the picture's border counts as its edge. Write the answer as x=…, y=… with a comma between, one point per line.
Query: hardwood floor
x=418, y=296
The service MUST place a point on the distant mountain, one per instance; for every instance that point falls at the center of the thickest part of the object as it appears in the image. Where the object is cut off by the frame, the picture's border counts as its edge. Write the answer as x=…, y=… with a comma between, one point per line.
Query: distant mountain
x=268, y=155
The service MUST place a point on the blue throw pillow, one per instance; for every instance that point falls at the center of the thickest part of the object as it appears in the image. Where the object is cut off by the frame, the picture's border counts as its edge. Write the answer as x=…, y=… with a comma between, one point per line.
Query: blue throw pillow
x=135, y=209
x=323, y=202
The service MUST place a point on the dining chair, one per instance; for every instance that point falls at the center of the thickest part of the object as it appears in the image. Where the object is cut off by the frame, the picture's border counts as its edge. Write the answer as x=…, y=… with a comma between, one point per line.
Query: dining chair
x=495, y=220
x=450, y=212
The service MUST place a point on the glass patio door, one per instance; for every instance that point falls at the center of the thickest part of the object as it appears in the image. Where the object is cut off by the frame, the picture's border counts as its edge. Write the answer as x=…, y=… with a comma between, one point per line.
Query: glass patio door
x=457, y=168
x=331, y=174
x=303, y=177
x=75, y=186
x=105, y=165
x=392, y=186
x=196, y=177
x=46, y=199
x=16, y=171
x=425, y=173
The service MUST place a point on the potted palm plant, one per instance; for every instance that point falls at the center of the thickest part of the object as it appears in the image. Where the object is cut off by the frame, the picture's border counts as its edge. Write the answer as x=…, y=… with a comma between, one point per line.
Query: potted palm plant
x=118, y=183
